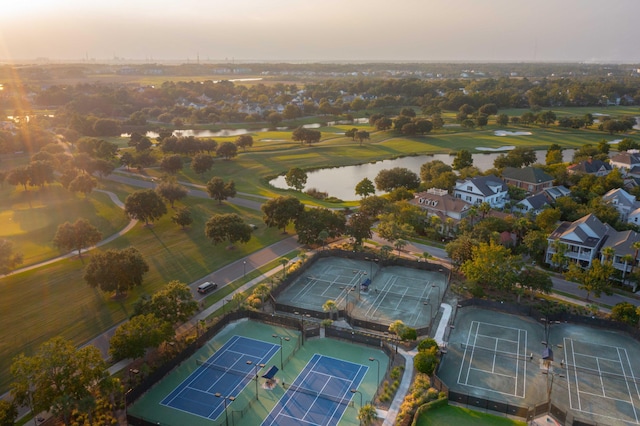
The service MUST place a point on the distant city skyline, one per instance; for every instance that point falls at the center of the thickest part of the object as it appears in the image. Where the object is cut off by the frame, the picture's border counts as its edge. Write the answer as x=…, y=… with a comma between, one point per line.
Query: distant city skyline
x=321, y=31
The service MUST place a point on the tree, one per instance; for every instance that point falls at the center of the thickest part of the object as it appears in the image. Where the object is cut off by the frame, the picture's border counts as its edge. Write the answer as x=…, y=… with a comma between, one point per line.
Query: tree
x=19, y=176
x=171, y=191
x=227, y=150
x=367, y=414
x=311, y=222
x=359, y=228
x=304, y=135
x=182, y=217
x=8, y=259
x=391, y=229
x=625, y=312
x=58, y=377
x=103, y=167
x=389, y=179
x=535, y=281
x=201, y=163
x=40, y=173
x=227, y=227
x=173, y=303
x=83, y=183
x=426, y=361
x=493, y=265
x=502, y=120
x=594, y=280
x=331, y=307
x=463, y=159
x=279, y=212
x=8, y=413
x=351, y=133
x=77, y=236
x=365, y=188
x=132, y=338
x=144, y=205
x=423, y=126
x=460, y=250
x=244, y=141
x=220, y=190
x=296, y=178
x=261, y=291
x=362, y=135
x=171, y=164
x=383, y=123
x=116, y=270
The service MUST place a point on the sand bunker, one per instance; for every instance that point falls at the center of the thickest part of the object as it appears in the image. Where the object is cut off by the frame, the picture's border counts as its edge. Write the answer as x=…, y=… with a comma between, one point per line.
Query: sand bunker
x=273, y=140
x=614, y=142
x=501, y=148
x=507, y=133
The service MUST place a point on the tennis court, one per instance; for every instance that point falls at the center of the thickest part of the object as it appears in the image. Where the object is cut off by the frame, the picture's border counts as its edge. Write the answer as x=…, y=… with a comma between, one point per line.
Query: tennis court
x=368, y=291
x=224, y=375
x=255, y=400
x=601, y=381
x=320, y=394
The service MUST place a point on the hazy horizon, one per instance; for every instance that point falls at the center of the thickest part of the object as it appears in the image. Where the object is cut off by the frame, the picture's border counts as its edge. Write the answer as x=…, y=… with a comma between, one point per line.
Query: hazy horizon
x=330, y=31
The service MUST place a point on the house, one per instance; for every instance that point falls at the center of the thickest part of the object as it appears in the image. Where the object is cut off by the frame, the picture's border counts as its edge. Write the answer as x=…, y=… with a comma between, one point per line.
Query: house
x=556, y=192
x=438, y=202
x=626, y=161
x=591, y=167
x=624, y=252
x=531, y=179
x=583, y=240
x=481, y=189
x=533, y=204
x=623, y=202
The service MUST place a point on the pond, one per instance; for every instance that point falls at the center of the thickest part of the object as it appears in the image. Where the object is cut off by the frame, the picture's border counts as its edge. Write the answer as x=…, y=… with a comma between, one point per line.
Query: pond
x=340, y=182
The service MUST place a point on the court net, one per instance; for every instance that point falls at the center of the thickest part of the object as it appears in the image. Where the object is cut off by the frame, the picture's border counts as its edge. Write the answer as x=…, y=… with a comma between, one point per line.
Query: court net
x=622, y=377
x=501, y=354
x=345, y=400
x=246, y=373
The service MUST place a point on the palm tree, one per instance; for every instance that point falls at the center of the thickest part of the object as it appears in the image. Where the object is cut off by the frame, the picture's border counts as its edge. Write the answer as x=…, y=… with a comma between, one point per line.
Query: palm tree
x=628, y=259
x=608, y=253
x=322, y=236
x=484, y=208
x=261, y=291
x=239, y=299
x=367, y=414
x=329, y=306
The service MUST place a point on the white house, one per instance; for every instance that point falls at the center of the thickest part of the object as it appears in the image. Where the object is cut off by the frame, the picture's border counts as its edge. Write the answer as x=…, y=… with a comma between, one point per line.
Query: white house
x=583, y=239
x=533, y=204
x=438, y=202
x=623, y=202
x=480, y=189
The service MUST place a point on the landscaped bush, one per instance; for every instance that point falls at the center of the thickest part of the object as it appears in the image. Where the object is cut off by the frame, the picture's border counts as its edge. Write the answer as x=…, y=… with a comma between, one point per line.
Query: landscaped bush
x=419, y=394
x=315, y=193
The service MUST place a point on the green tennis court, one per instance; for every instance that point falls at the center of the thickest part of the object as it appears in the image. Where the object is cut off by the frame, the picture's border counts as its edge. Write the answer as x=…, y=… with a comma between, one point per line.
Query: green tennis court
x=247, y=407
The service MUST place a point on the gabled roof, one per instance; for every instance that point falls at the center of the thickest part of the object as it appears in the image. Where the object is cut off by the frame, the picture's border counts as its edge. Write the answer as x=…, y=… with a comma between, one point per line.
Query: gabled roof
x=537, y=201
x=589, y=166
x=527, y=174
x=621, y=242
x=557, y=191
x=587, y=231
x=621, y=195
x=487, y=185
x=440, y=202
x=627, y=158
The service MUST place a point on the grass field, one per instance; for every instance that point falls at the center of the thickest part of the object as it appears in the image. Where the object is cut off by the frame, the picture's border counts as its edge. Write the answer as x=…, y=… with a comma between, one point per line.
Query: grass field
x=53, y=300
x=459, y=416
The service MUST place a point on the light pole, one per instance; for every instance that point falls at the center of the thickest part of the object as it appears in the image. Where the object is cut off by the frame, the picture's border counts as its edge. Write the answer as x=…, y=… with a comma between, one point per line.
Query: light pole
x=281, y=339
x=302, y=324
x=244, y=268
x=378, y=362
x=358, y=392
x=249, y=362
x=284, y=262
x=437, y=288
x=224, y=398
x=224, y=302
x=430, y=311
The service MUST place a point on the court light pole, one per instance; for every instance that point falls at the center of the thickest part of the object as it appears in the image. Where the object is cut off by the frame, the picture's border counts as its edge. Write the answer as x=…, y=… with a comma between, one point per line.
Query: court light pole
x=437, y=288
x=358, y=392
x=430, y=311
x=224, y=398
x=378, y=362
x=249, y=362
x=244, y=268
x=281, y=339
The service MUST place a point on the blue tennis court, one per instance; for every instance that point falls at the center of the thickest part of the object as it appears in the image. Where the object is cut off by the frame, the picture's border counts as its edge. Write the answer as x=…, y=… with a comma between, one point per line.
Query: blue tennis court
x=319, y=395
x=226, y=372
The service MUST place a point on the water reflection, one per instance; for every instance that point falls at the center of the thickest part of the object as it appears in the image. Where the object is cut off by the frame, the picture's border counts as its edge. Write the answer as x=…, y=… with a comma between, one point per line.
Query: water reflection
x=340, y=182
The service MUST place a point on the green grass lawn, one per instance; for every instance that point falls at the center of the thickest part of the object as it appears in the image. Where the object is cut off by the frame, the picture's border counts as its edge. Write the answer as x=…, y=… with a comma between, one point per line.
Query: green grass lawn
x=459, y=416
x=55, y=300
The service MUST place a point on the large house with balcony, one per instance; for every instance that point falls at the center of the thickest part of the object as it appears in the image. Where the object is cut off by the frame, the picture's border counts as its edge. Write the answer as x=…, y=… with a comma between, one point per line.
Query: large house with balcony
x=622, y=245
x=583, y=240
x=481, y=189
x=627, y=161
x=590, y=167
x=623, y=202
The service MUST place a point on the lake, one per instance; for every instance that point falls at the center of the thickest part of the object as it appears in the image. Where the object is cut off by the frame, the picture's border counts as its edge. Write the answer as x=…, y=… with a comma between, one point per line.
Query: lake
x=340, y=182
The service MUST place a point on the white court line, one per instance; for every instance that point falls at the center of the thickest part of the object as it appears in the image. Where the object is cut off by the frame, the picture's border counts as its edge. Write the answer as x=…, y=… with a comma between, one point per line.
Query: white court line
x=464, y=355
x=626, y=355
x=604, y=393
x=515, y=388
x=381, y=294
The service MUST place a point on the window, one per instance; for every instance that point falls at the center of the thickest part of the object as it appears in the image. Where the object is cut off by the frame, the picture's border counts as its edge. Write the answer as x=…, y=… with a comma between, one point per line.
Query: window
x=468, y=197
x=469, y=188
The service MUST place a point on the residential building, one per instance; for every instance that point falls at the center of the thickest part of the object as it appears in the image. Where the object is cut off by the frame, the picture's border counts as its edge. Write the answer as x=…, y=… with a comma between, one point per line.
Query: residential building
x=556, y=192
x=481, y=189
x=622, y=245
x=626, y=161
x=623, y=202
x=583, y=239
x=590, y=167
x=531, y=179
x=533, y=204
x=438, y=202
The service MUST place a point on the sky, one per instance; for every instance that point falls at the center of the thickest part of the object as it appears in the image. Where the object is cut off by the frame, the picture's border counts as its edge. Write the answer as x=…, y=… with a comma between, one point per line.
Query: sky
x=321, y=30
